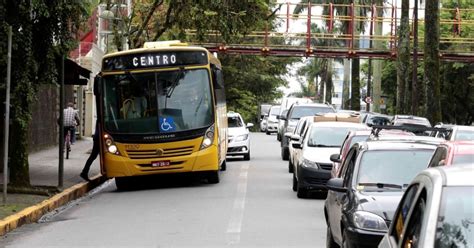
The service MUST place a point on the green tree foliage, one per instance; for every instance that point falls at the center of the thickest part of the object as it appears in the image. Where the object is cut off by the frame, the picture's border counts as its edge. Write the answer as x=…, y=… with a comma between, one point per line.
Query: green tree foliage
x=251, y=80
x=42, y=32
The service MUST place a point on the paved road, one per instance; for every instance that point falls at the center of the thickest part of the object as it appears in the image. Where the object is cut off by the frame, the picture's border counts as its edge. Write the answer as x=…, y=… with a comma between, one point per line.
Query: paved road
x=253, y=206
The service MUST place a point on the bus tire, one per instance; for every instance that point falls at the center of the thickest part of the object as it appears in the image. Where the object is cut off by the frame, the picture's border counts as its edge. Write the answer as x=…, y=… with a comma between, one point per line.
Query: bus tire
x=224, y=166
x=213, y=177
x=122, y=183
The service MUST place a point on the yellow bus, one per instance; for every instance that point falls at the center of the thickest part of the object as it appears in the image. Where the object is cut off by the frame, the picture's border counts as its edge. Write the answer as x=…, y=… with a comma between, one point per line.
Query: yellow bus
x=161, y=109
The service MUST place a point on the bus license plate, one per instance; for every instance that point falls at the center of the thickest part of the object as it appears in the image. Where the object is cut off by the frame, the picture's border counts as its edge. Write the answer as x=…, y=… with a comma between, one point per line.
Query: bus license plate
x=160, y=163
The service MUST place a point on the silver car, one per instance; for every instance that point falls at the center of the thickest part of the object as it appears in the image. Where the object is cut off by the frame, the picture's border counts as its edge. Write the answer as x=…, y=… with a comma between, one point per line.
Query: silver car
x=437, y=210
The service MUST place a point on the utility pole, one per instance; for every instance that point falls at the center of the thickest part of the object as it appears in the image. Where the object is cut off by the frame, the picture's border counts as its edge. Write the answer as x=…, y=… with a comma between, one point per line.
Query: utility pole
x=7, y=117
x=61, y=127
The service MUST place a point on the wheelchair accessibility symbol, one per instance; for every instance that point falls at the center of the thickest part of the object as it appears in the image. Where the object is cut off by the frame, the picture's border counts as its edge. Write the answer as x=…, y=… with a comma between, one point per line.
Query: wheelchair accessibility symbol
x=167, y=124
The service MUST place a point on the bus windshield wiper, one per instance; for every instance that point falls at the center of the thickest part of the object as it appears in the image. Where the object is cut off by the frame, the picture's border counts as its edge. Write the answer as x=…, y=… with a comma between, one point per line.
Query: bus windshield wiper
x=382, y=185
x=175, y=82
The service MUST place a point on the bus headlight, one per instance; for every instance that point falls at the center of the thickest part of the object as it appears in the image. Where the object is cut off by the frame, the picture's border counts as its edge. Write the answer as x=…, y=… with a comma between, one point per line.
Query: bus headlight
x=110, y=144
x=208, y=138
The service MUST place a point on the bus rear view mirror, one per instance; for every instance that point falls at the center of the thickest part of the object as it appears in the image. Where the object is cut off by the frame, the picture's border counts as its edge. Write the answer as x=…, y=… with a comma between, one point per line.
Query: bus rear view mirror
x=97, y=85
x=218, y=78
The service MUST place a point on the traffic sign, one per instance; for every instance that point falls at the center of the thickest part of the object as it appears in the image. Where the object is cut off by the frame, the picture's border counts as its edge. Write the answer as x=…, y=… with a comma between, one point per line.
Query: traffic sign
x=368, y=99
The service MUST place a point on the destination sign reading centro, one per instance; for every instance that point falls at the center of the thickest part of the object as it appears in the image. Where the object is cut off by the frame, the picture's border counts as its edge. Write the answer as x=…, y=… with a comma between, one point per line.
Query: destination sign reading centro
x=154, y=60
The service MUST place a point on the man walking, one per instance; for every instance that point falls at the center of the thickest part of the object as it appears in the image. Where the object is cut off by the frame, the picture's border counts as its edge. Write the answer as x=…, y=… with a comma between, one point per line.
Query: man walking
x=94, y=153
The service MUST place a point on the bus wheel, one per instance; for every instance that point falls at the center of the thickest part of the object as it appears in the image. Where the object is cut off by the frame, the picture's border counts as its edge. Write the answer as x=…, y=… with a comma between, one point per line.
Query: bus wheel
x=224, y=166
x=122, y=183
x=213, y=177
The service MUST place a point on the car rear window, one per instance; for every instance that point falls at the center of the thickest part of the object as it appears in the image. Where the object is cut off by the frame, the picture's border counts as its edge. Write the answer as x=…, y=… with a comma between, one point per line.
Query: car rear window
x=455, y=219
x=464, y=135
x=392, y=166
x=328, y=136
x=463, y=159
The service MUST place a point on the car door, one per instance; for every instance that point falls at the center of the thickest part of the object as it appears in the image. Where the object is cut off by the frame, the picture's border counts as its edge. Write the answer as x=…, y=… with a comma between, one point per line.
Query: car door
x=337, y=199
x=401, y=217
x=299, y=131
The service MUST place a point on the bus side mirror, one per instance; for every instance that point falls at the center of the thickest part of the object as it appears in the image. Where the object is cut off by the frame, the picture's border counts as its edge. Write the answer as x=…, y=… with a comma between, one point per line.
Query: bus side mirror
x=97, y=85
x=217, y=78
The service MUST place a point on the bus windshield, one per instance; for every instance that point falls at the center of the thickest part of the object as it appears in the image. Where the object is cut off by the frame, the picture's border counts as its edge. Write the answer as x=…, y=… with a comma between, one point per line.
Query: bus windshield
x=157, y=102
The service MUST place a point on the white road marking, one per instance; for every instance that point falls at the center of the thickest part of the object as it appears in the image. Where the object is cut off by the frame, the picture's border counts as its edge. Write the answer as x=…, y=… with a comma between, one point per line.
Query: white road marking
x=235, y=223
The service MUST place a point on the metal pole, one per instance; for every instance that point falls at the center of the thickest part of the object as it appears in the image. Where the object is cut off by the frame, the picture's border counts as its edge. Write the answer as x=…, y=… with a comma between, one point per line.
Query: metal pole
x=61, y=127
x=414, y=93
x=7, y=117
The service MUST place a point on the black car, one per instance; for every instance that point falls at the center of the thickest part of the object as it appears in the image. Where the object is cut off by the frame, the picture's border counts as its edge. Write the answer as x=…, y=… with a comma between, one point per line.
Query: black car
x=291, y=119
x=362, y=199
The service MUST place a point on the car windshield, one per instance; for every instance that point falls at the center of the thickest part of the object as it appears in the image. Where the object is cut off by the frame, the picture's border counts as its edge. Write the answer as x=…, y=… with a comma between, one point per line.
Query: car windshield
x=464, y=135
x=157, y=102
x=463, y=159
x=378, y=120
x=397, y=167
x=328, y=136
x=274, y=110
x=234, y=121
x=455, y=226
x=303, y=111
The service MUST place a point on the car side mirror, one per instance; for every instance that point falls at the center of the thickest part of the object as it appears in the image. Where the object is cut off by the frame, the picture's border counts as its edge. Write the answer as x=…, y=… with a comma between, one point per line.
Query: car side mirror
x=335, y=158
x=336, y=184
x=288, y=135
x=249, y=125
x=297, y=145
x=295, y=137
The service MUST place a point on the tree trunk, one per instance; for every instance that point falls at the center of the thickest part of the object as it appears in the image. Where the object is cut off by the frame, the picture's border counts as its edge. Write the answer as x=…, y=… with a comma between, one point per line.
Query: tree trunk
x=346, y=84
x=403, y=58
x=355, y=85
x=18, y=162
x=377, y=64
x=431, y=59
x=329, y=82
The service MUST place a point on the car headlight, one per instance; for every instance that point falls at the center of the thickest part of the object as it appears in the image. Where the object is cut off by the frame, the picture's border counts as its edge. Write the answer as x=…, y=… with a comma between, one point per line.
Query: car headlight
x=309, y=164
x=369, y=221
x=208, y=138
x=242, y=137
x=110, y=144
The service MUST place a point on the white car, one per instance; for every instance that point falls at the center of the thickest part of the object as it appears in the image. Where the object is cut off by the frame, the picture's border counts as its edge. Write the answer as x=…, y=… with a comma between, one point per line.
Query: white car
x=272, y=121
x=238, y=136
x=312, y=166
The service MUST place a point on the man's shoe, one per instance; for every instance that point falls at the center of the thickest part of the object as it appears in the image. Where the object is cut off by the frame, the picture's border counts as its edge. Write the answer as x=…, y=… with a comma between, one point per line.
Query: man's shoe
x=85, y=177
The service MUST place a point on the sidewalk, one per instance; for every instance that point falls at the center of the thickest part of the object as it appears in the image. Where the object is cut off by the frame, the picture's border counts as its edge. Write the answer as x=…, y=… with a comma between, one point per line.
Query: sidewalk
x=43, y=165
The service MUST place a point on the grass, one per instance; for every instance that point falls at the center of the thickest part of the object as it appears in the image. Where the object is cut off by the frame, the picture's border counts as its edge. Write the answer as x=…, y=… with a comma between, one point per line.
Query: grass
x=17, y=202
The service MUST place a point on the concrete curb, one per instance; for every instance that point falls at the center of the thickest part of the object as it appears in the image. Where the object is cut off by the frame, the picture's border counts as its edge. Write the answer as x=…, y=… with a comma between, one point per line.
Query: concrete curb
x=35, y=212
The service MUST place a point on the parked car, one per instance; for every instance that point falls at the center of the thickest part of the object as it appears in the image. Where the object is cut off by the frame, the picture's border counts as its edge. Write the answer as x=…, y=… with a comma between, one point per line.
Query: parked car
x=272, y=120
x=362, y=199
x=453, y=153
x=371, y=119
x=296, y=112
x=413, y=122
x=285, y=105
x=264, y=110
x=238, y=136
x=437, y=210
x=300, y=130
x=312, y=167
x=454, y=132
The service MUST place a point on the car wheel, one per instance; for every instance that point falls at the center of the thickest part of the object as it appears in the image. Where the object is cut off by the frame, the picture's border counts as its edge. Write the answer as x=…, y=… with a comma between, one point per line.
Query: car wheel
x=295, y=183
x=345, y=243
x=285, y=153
x=290, y=166
x=329, y=239
x=224, y=166
x=268, y=133
x=278, y=137
x=247, y=156
x=213, y=177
